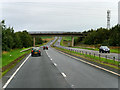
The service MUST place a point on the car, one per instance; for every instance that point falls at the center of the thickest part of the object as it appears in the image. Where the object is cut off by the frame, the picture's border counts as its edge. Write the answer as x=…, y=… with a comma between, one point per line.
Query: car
x=36, y=51
x=45, y=47
x=104, y=49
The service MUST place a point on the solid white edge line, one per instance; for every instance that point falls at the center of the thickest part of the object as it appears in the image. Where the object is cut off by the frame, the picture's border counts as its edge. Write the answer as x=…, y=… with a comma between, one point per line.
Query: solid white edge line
x=91, y=64
x=63, y=74
x=15, y=72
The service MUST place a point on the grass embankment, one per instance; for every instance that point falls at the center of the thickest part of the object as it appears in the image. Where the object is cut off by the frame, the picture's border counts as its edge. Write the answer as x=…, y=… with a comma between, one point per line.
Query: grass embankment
x=103, y=61
x=11, y=58
x=97, y=49
x=47, y=38
x=66, y=40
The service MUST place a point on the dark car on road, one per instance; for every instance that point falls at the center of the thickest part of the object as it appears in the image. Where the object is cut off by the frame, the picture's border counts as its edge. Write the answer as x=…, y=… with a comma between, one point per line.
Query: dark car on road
x=36, y=51
x=104, y=49
x=45, y=47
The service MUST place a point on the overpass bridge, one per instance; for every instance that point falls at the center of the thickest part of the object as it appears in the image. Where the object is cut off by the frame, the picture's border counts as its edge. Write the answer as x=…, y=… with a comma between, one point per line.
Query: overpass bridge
x=59, y=34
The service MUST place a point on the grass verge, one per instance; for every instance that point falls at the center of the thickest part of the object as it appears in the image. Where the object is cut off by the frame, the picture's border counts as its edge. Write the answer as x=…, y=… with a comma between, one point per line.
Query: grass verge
x=13, y=65
x=10, y=59
x=65, y=40
x=11, y=56
x=96, y=49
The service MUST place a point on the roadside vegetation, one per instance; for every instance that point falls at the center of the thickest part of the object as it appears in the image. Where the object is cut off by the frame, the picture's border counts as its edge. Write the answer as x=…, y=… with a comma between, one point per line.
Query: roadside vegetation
x=12, y=45
x=52, y=45
x=102, y=36
x=96, y=38
x=103, y=61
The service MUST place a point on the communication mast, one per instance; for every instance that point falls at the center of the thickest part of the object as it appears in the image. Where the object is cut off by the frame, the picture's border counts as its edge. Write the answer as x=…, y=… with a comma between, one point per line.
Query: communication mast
x=119, y=12
x=108, y=19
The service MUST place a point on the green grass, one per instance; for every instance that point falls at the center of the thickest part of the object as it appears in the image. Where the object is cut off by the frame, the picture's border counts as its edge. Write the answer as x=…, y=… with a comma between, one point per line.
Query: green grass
x=46, y=37
x=96, y=49
x=65, y=39
x=3, y=73
x=68, y=38
x=114, y=51
x=61, y=43
x=107, y=62
x=26, y=48
x=0, y=61
x=84, y=48
x=11, y=56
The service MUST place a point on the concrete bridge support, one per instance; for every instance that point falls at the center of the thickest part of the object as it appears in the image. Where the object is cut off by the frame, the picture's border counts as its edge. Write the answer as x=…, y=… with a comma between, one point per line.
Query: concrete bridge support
x=33, y=41
x=72, y=41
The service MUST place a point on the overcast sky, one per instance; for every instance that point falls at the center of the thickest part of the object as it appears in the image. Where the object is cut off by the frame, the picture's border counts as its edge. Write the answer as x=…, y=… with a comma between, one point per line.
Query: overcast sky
x=58, y=15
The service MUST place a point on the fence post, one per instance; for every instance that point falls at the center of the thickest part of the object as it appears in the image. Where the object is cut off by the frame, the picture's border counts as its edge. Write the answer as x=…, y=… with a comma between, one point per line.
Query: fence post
x=82, y=52
x=99, y=57
x=114, y=59
x=94, y=54
x=89, y=53
x=106, y=58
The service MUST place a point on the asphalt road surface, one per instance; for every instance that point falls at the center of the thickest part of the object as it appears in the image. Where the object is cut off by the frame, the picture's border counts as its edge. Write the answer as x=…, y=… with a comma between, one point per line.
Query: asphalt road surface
x=38, y=72
x=56, y=70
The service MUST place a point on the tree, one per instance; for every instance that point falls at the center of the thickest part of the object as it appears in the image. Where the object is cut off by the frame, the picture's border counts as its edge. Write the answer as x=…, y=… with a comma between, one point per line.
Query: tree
x=38, y=40
x=11, y=40
x=17, y=40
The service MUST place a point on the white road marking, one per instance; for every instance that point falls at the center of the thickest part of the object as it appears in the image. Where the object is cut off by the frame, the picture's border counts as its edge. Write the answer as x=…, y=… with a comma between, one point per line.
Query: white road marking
x=51, y=59
x=72, y=85
x=63, y=75
x=55, y=64
x=15, y=72
x=47, y=54
x=91, y=64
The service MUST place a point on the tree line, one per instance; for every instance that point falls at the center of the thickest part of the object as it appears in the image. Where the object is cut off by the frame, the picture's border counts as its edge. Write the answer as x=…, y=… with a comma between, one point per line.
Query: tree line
x=101, y=36
x=12, y=40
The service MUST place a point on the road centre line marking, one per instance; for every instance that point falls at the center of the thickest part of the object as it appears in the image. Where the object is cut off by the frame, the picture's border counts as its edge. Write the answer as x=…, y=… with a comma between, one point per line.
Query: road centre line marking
x=47, y=54
x=55, y=64
x=91, y=64
x=6, y=84
x=63, y=74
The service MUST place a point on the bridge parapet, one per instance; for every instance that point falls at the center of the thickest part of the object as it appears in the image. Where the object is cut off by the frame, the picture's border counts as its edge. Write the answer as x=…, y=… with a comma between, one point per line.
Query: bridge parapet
x=58, y=34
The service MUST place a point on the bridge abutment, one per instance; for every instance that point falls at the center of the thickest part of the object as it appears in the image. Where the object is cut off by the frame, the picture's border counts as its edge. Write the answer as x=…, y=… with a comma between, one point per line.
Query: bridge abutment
x=72, y=41
x=34, y=41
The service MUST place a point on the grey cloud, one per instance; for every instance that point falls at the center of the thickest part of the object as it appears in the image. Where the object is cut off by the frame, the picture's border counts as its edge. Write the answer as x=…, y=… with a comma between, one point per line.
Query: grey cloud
x=57, y=16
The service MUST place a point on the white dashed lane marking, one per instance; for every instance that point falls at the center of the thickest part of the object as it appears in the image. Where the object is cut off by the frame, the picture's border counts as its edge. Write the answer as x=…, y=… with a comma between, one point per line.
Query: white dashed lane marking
x=63, y=74
x=55, y=64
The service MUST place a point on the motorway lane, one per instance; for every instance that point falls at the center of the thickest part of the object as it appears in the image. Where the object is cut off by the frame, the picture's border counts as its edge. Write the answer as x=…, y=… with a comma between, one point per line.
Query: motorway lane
x=81, y=75
x=38, y=72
